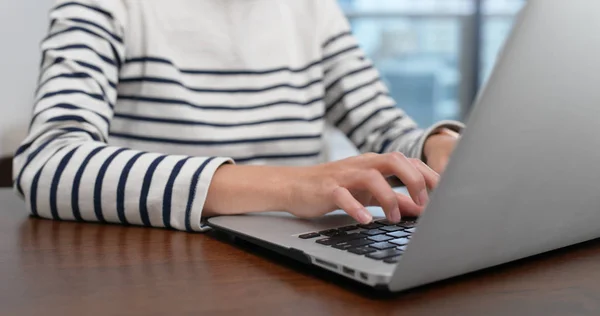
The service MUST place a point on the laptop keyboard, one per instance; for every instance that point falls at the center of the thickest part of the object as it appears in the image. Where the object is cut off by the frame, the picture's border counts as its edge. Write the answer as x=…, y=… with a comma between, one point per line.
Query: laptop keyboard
x=379, y=240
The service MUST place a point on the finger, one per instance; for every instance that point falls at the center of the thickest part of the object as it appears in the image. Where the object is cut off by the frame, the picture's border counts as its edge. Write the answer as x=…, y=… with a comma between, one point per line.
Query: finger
x=397, y=164
x=345, y=201
x=406, y=205
x=384, y=194
x=432, y=178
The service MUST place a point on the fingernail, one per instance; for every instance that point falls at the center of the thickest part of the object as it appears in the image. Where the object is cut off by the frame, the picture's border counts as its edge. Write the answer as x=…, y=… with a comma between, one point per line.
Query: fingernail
x=395, y=216
x=423, y=198
x=365, y=217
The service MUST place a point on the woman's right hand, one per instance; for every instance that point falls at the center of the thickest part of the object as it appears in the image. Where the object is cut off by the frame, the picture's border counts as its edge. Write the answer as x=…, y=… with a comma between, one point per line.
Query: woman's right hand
x=354, y=183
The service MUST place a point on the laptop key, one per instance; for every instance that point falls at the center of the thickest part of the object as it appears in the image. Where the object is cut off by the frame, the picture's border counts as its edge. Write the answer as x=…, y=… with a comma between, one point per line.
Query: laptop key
x=309, y=235
x=348, y=228
x=370, y=226
x=408, y=224
x=329, y=232
x=338, y=239
x=342, y=246
x=339, y=234
x=360, y=242
x=347, y=237
x=373, y=232
x=382, y=245
x=399, y=234
x=353, y=244
x=325, y=241
x=392, y=259
x=380, y=238
x=384, y=222
x=390, y=228
x=410, y=230
x=362, y=250
x=379, y=255
x=400, y=241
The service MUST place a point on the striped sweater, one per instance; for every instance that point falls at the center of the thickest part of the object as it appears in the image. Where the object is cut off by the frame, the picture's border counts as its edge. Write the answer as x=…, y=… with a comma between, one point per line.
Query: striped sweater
x=139, y=102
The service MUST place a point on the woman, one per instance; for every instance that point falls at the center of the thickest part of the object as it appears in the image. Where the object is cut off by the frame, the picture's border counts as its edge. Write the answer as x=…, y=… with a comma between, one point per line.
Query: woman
x=159, y=113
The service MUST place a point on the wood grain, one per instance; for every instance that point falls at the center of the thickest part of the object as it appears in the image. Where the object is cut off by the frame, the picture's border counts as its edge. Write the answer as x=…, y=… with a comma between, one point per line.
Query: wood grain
x=63, y=268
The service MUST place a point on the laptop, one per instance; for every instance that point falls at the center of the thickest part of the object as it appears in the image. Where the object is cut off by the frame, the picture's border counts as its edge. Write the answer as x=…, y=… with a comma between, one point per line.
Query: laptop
x=524, y=179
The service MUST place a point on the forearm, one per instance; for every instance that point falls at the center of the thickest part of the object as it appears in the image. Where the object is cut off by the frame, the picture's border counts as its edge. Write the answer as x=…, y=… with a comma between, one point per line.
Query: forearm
x=237, y=189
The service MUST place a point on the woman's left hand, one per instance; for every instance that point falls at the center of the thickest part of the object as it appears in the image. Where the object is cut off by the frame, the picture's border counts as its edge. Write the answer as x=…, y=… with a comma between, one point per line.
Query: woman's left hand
x=438, y=149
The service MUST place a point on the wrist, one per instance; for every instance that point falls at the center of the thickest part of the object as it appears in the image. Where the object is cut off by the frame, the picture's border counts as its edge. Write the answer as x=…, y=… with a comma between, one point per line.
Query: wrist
x=437, y=139
x=239, y=189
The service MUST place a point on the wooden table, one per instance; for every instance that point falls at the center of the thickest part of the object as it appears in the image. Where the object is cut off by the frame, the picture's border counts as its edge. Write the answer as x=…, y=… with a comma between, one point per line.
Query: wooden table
x=61, y=268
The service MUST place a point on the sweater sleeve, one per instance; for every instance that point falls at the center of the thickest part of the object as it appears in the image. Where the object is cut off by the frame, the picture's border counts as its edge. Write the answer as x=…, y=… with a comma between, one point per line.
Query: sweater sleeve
x=357, y=101
x=64, y=169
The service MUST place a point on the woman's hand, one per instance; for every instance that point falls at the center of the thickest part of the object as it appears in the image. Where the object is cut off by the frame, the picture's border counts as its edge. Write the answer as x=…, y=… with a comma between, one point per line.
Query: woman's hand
x=438, y=149
x=356, y=182
x=308, y=192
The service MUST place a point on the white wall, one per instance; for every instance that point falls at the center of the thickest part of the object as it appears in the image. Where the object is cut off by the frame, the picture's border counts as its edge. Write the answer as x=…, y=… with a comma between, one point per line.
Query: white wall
x=23, y=23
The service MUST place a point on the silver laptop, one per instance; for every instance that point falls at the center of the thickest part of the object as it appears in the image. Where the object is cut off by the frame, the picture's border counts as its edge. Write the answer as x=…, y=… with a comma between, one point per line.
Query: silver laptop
x=525, y=178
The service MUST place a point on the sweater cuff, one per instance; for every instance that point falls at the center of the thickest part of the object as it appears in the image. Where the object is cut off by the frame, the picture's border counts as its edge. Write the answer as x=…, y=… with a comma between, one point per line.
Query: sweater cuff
x=453, y=125
x=196, y=223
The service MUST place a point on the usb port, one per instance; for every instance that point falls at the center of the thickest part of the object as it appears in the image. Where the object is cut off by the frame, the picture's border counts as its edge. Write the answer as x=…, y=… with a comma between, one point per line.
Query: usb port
x=364, y=276
x=326, y=264
x=348, y=271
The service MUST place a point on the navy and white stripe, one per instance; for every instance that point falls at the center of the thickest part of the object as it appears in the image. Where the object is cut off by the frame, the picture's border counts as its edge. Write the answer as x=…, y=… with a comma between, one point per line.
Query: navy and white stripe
x=139, y=102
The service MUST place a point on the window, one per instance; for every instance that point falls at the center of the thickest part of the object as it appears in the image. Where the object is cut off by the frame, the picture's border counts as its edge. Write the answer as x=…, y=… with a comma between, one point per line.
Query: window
x=499, y=17
x=423, y=49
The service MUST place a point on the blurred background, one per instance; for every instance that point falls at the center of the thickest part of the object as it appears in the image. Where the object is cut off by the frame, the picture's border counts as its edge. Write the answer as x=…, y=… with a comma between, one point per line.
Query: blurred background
x=433, y=54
